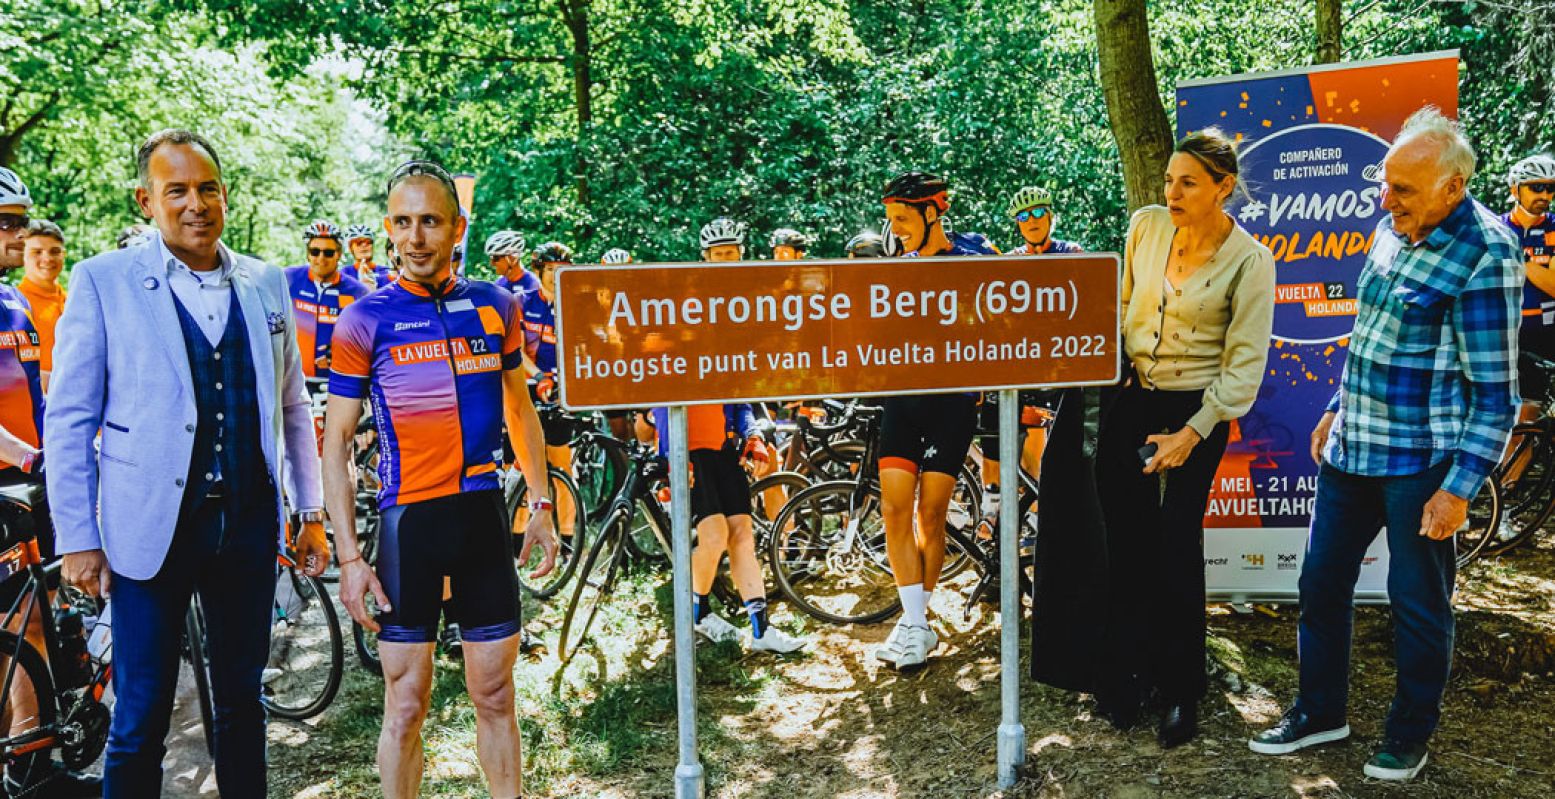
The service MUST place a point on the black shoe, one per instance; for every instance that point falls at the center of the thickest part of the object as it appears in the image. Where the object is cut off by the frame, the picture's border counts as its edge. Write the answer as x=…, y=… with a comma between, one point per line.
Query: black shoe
x=1297, y=731
x=54, y=781
x=1397, y=761
x=1122, y=713
x=1179, y=725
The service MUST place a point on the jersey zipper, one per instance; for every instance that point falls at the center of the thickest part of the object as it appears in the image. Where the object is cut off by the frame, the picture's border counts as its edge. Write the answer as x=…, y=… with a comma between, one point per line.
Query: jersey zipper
x=453, y=366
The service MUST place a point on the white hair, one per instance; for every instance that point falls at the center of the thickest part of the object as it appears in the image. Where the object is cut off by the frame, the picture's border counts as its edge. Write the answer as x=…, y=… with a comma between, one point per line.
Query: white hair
x=1455, y=156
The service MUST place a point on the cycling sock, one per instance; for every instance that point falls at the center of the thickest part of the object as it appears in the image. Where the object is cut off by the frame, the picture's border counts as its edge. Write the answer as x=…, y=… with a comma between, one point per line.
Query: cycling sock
x=757, y=608
x=699, y=607
x=915, y=605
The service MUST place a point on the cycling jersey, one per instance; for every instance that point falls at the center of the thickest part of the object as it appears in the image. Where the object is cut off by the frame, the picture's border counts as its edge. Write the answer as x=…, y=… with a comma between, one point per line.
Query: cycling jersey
x=1053, y=246
x=21, y=384
x=1538, y=242
x=526, y=282
x=317, y=308
x=965, y=244
x=373, y=276
x=432, y=367
x=539, y=331
x=708, y=426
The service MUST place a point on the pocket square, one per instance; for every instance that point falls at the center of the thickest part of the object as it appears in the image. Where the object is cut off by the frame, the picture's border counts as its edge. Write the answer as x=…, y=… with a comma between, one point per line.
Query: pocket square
x=277, y=322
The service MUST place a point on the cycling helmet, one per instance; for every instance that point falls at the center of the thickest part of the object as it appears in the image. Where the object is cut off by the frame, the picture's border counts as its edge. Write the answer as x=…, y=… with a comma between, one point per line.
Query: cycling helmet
x=1531, y=169
x=788, y=237
x=865, y=245
x=723, y=230
x=551, y=252
x=505, y=242
x=320, y=229
x=134, y=235
x=918, y=188
x=355, y=232
x=12, y=190
x=616, y=257
x=1029, y=197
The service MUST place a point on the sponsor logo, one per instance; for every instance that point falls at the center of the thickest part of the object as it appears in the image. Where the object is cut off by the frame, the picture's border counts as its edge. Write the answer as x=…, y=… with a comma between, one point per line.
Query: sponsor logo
x=1286, y=561
x=1216, y=561
x=1252, y=561
x=398, y=326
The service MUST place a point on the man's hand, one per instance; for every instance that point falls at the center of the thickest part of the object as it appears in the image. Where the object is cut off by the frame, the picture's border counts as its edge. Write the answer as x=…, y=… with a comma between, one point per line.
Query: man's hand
x=538, y=530
x=312, y=549
x=1171, y=450
x=1320, y=436
x=545, y=386
x=1443, y=515
x=88, y=572
x=356, y=580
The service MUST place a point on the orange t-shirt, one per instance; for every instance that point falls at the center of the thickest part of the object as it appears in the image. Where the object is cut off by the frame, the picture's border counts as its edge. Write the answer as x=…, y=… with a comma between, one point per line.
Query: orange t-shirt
x=46, y=308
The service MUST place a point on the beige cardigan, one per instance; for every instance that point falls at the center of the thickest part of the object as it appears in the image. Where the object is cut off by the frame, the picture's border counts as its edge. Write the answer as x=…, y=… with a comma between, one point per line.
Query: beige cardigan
x=1215, y=336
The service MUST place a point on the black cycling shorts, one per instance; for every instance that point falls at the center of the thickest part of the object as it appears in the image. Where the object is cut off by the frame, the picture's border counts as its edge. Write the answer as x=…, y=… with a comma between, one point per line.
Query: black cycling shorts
x=1533, y=383
x=718, y=484
x=463, y=537
x=927, y=432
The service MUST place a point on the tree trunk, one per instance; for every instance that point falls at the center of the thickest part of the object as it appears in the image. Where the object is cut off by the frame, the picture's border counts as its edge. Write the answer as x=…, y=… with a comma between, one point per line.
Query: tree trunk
x=576, y=15
x=1330, y=31
x=1128, y=83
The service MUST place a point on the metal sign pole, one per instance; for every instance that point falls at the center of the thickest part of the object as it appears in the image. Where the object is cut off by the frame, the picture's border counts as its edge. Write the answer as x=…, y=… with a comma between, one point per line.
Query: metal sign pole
x=688, y=775
x=1012, y=734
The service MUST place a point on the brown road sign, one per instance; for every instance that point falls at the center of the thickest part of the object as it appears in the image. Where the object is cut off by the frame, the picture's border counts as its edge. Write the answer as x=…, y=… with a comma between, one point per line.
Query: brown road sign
x=636, y=336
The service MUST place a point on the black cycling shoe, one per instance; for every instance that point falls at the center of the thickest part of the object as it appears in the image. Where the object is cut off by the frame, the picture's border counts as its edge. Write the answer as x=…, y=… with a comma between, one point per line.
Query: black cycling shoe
x=1179, y=725
x=54, y=781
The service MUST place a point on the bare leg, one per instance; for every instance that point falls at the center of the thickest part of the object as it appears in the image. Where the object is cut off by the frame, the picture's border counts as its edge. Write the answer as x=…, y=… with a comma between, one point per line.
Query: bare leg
x=897, y=489
x=488, y=675
x=712, y=541
x=934, y=490
x=407, y=693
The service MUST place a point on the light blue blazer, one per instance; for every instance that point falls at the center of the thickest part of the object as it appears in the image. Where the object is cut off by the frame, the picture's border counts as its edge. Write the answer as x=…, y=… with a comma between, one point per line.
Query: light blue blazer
x=121, y=368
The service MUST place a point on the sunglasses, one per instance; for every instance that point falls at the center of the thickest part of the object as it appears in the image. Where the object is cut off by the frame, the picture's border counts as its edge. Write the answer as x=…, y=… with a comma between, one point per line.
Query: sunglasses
x=1027, y=216
x=1540, y=188
x=316, y=252
x=9, y=222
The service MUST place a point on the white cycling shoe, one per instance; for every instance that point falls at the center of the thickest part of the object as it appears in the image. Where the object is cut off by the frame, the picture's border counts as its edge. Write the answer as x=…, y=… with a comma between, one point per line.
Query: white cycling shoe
x=775, y=640
x=915, y=645
x=891, y=648
x=715, y=628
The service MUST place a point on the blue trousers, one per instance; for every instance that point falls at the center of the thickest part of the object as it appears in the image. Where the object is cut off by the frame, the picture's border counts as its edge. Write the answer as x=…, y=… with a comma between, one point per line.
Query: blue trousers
x=229, y=557
x=1350, y=510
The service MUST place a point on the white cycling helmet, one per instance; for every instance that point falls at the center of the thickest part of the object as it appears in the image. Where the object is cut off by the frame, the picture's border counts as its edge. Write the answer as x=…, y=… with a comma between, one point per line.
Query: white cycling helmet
x=355, y=232
x=1536, y=168
x=12, y=190
x=505, y=242
x=616, y=257
x=723, y=230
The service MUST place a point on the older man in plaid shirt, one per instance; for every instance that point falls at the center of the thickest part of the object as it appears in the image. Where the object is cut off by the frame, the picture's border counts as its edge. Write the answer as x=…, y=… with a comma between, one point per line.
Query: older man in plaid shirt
x=1423, y=413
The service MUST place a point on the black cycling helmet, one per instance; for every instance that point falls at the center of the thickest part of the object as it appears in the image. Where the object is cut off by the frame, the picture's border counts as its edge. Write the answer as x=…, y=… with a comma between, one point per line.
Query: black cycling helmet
x=551, y=252
x=918, y=188
x=865, y=245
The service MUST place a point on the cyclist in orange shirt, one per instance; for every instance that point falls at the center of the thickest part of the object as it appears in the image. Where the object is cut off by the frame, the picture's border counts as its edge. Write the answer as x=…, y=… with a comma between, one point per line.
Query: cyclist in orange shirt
x=42, y=259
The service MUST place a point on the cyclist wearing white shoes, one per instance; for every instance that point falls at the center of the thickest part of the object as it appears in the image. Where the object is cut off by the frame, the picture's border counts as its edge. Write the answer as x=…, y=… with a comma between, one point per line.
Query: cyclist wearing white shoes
x=923, y=438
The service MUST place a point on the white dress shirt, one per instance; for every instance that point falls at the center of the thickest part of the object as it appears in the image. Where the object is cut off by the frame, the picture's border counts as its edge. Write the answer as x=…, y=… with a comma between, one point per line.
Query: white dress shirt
x=207, y=296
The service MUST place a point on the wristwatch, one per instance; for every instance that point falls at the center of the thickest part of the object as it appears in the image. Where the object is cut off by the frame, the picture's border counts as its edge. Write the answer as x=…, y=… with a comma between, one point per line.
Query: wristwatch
x=311, y=517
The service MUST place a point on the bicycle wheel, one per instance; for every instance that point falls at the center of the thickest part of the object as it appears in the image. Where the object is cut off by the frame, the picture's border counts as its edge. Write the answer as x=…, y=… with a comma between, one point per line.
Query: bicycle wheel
x=307, y=656
x=840, y=463
x=365, y=640
x=828, y=554
x=595, y=580
x=647, y=537
x=597, y=473
x=25, y=759
x=1527, y=499
x=199, y=660
x=562, y=490
x=1483, y=521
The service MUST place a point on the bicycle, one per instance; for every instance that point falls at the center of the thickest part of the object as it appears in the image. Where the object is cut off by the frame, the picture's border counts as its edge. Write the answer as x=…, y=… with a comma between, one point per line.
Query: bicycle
x=72, y=716
x=1525, y=477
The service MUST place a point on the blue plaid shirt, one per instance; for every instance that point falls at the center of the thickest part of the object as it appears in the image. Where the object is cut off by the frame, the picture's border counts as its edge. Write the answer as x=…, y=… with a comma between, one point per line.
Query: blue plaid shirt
x=1432, y=369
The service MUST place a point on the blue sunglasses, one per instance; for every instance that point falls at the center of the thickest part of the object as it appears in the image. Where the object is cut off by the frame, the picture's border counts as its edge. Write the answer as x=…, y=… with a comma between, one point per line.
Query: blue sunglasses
x=1027, y=216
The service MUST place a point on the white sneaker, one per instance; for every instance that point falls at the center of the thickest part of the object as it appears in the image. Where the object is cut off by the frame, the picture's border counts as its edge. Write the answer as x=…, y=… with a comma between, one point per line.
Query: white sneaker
x=891, y=649
x=775, y=640
x=714, y=628
x=916, y=645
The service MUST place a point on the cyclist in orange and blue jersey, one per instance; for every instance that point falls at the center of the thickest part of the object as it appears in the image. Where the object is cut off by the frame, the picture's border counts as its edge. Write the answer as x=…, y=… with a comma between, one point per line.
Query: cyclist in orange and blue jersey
x=1532, y=185
x=21, y=377
x=508, y=254
x=359, y=242
x=440, y=358
x=1032, y=210
x=320, y=291
x=539, y=321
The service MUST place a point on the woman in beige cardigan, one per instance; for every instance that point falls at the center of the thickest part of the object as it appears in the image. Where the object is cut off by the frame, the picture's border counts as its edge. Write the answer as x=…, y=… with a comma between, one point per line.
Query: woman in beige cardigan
x=1198, y=306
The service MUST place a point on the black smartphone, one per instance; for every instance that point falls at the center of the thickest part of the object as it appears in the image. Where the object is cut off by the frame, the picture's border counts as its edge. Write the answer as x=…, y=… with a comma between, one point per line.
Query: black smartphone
x=1146, y=453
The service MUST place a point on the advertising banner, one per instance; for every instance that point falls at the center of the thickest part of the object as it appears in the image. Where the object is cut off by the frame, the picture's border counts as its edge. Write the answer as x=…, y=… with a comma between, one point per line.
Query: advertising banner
x=1312, y=142
x=638, y=336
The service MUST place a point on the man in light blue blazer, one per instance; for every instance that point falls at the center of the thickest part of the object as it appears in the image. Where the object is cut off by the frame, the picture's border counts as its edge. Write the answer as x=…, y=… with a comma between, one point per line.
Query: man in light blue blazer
x=182, y=356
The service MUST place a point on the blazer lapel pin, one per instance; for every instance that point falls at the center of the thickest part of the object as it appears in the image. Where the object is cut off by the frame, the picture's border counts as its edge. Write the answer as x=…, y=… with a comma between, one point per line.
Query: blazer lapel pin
x=150, y=283
x=277, y=322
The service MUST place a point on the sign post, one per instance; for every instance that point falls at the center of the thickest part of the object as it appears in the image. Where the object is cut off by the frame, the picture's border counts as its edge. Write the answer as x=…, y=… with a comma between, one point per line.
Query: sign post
x=688, y=334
